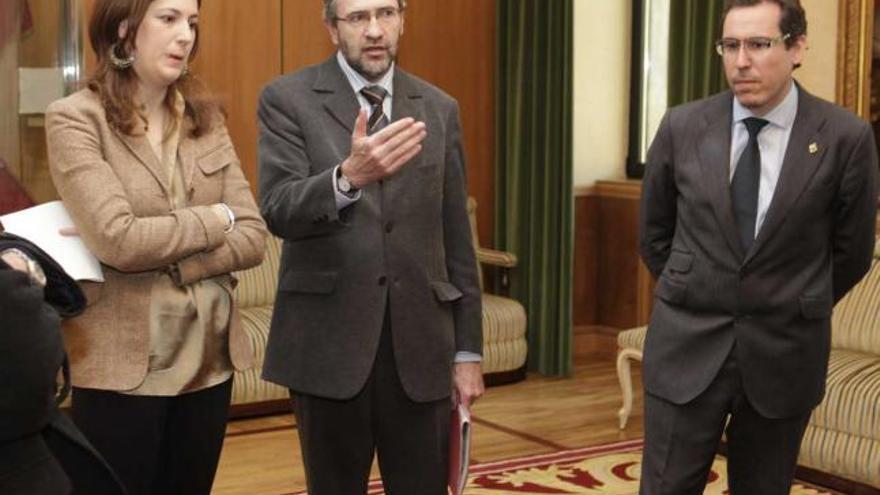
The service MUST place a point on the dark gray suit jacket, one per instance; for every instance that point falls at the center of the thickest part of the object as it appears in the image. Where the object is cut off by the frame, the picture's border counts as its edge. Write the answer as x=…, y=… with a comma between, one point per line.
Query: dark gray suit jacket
x=406, y=242
x=775, y=301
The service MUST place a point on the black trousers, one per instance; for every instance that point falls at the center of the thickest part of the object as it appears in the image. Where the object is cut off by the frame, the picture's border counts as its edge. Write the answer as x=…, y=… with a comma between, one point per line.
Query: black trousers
x=681, y=441
x=157, y=445
x=87, y=471
x=339, y=437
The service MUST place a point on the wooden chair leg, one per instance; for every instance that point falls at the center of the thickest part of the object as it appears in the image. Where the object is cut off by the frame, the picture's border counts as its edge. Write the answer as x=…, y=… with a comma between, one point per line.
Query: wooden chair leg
x=624, y=374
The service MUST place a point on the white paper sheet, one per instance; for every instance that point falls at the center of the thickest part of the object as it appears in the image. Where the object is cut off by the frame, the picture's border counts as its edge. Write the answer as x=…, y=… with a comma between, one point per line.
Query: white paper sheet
x=41, y=224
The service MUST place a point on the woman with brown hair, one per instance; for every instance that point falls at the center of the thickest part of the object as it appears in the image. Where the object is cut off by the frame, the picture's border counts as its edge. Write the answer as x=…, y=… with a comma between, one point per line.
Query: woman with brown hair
x=144, y=164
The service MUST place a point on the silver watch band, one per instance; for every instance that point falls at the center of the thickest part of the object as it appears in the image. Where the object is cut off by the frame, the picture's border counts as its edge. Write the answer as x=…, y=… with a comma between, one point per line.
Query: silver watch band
x=34, y=270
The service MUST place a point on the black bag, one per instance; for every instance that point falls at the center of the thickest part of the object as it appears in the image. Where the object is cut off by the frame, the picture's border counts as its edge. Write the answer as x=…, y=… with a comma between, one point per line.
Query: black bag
x=62, y=291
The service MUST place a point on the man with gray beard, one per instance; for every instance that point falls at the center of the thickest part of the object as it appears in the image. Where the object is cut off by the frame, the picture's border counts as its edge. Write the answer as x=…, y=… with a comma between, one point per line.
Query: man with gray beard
x=376, y=329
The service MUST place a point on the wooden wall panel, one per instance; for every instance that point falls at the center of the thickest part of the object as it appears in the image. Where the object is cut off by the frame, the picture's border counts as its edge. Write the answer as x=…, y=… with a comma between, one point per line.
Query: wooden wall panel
x=623, y=283
x=305, y=38
x=39, y=47
x=585, y=280
x=618, y=267
x=88, y=55
x=452, y=45
x=239, y=52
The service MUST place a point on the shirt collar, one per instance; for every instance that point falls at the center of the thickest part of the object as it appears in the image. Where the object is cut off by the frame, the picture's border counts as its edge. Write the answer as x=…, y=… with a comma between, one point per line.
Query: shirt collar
x=781, y=116
x=359, y=82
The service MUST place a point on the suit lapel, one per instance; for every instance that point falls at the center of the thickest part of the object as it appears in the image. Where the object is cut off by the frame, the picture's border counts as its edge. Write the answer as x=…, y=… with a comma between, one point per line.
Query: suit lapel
x=339, y=100
x=407, y=98
x=187, y=151
x=802, y=156
x=714, y=154
x=140, y=147
x=407, y=101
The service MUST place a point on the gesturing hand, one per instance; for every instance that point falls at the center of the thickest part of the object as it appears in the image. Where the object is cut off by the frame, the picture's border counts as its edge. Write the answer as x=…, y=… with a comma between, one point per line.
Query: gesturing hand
x=378, y=156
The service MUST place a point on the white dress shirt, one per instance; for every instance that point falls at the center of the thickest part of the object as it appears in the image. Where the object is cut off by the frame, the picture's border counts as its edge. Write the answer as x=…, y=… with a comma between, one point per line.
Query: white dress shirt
x=772, y=141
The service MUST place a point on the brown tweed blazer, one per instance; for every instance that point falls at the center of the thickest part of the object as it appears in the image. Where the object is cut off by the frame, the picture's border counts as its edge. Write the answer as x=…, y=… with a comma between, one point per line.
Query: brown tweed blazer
x=118, y=197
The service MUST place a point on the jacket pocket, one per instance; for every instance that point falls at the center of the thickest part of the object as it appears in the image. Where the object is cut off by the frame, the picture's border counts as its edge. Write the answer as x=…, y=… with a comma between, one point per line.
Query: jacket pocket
x=445, y=291
x=308, y=282
x=816, y=308
x=670, y=290
x=680, y=261
x=216, y=159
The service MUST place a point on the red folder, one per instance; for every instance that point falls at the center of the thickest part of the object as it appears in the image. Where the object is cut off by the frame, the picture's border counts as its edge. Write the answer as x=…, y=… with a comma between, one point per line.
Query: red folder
x=459, y=449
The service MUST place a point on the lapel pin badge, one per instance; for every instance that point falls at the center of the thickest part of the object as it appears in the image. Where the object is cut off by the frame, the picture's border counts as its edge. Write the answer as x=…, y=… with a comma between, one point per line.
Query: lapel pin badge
x=814, y=148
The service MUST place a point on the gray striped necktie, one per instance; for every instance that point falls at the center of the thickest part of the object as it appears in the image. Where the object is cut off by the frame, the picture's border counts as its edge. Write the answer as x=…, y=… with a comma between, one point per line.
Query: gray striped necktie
x=375, y=95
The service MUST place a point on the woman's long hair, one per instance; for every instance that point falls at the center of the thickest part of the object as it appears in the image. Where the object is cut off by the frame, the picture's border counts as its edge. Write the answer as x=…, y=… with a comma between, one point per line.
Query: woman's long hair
x=117, y=88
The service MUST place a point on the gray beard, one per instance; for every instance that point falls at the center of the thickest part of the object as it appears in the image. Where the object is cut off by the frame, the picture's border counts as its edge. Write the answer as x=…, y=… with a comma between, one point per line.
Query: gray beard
x=368, y=75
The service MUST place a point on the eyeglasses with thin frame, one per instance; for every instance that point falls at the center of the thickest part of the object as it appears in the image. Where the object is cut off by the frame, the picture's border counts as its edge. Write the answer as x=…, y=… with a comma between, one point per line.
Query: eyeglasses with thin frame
x=754, y=45
x=386, y=16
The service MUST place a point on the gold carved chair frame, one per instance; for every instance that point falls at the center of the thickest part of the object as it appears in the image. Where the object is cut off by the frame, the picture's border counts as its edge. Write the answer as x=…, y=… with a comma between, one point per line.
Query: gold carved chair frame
x=854, y=55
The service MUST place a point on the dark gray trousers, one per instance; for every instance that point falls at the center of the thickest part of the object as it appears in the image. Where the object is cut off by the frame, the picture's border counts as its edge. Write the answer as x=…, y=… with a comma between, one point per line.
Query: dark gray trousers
x=681, y=441
x=339, y=437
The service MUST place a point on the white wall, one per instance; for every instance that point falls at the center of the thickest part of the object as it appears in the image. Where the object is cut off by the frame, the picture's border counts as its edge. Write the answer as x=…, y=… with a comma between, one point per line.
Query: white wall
x=818, y=72
x=601, y=89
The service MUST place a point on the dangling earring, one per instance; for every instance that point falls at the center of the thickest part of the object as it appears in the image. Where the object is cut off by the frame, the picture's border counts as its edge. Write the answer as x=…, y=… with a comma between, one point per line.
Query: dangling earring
x=120, y=63
x=184, y=72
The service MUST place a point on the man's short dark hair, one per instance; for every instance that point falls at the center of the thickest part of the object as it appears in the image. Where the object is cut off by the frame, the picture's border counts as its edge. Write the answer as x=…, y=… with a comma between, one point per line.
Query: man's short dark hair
x=793, y=21
x=330, y=9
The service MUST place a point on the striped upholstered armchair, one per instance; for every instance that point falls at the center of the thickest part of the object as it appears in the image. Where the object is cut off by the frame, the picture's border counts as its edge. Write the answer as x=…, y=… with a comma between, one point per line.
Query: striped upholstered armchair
x=504, y=328
x=255, y=296
x=843, y=435
x=504, y=319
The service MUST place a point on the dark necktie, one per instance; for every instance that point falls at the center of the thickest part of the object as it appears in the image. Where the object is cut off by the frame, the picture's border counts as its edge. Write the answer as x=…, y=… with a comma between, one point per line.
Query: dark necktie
x=745, y=184
x=375, y=95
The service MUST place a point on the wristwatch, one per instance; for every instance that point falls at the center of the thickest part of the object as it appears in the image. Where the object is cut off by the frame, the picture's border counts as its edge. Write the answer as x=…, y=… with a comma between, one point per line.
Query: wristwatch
x=32, y=268
x=343, y=185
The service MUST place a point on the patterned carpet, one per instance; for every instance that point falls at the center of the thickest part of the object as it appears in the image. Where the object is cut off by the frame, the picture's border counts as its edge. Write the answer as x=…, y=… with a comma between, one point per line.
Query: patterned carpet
x=611, y=469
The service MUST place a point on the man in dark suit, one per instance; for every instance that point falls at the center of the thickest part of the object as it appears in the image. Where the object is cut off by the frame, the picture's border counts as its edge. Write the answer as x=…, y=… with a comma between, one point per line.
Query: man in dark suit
x=377, y=319
x=757, y=216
